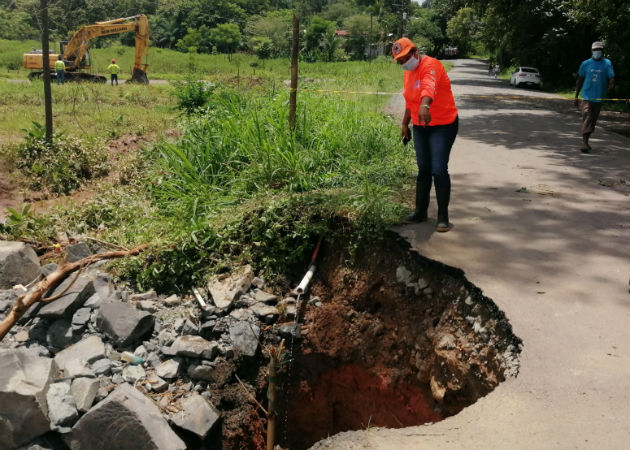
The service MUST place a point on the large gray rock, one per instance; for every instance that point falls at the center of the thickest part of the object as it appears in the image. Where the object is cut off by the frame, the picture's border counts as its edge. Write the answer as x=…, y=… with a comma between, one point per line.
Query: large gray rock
x=24, y=380
x=59, y=335
x=75, y=252
x=225, y=290
x=18, y=264
x=123, y=323
x=125, y=420
x=244, y=336
x=195, y=347
x=62, y=410
x=197, y=415
x=84, y=352
x=71, y=300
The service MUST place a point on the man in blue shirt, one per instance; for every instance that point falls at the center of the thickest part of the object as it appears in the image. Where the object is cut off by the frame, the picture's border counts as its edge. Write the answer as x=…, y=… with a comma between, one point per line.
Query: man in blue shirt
x=594, y=77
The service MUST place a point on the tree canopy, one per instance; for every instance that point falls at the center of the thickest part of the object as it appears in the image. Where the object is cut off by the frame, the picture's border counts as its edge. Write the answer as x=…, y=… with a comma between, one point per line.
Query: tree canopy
x=553, y=35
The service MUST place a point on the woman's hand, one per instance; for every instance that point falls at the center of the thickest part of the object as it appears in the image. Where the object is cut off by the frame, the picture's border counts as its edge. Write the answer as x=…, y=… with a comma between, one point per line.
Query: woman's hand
x=425, y=116
x=405, y=134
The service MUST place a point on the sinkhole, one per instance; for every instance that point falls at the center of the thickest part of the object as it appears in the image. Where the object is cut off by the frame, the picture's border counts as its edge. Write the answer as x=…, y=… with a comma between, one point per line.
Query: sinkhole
x=394, y=340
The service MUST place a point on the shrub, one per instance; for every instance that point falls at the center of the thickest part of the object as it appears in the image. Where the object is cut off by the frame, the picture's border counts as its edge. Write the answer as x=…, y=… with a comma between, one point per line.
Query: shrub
x=192, y=95
x=60, y=166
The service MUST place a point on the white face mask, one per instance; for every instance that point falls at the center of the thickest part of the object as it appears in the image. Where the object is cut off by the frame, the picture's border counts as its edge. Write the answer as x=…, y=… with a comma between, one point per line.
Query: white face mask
x=411, y=64
x=597, y=54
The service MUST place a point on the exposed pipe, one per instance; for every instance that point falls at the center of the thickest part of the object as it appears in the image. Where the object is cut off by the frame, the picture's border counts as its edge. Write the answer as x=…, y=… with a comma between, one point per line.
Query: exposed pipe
x=306, y=280
x=311, y=270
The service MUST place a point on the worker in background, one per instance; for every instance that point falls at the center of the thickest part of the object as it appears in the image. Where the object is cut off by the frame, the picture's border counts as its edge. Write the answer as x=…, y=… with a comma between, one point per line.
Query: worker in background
x=595, y=76
x=113, y=70
x=60, y=70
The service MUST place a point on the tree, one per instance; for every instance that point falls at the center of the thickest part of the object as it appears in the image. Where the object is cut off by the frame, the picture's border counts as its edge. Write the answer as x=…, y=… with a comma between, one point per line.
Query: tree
x=263, y=47
x=315, y=33
x=424, y=30
x=275, y=26
x=227, y=37
x=463, y=29
x=359, y=28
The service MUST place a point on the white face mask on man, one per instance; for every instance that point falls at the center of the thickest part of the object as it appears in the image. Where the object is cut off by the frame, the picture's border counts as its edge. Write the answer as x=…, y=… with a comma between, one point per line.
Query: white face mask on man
x=597, y=54
x=412, y=63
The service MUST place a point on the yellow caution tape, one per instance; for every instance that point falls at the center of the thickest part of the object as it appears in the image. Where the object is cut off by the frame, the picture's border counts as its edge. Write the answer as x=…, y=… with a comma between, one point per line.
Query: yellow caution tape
x=509, y=97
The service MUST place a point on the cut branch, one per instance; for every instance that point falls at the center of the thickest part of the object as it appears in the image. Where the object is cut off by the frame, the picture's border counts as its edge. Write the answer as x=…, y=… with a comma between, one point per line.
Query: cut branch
x=24, y=302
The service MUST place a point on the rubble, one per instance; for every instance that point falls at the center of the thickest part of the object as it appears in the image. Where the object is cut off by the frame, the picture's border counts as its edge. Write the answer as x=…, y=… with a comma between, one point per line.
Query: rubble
x=24, y=380
x=18, y=264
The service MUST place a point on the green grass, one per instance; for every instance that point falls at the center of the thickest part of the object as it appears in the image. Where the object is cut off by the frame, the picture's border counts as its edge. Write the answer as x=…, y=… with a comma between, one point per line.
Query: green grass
x=86, y=109
x=236, y=186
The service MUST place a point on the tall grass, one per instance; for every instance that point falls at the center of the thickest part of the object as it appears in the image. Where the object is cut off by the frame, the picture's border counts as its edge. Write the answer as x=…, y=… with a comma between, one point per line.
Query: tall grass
x=241, y=147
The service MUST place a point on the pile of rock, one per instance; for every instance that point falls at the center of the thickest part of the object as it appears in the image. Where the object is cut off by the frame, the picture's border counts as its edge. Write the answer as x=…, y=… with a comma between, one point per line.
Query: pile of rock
x=102, y=367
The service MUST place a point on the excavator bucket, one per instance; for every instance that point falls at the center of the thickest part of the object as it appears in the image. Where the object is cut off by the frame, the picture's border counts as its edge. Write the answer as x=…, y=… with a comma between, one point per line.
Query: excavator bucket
x=139, y=76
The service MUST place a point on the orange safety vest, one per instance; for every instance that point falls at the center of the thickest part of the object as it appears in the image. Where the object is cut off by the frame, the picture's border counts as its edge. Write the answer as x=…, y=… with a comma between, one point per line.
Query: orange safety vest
x=430, y=80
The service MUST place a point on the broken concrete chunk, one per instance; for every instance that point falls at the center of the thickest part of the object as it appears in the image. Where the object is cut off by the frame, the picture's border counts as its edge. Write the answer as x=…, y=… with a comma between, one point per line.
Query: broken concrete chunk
x=172, y=300
x=78, y=291
x=149, y=295
x=262, y=310
x=224, y=290
x=197, y=415
x=264, y=297
x=131, y=374
x=87, y=350
x=123, y=323
x=62, y=409
x=84, y=392
x=195, y=347
x=24, y=380
x=244, y=336
x=129, y=420
x=18, y=264
x=157, y=384
x=168, y=369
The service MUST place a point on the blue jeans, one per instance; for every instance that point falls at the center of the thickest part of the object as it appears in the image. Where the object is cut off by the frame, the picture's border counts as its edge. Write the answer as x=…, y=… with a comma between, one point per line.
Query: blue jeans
x=433, y=148
x=61, y=76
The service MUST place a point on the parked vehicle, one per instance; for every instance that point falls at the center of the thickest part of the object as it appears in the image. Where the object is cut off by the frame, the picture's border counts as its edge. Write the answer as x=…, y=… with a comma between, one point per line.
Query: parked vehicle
x=526, y=76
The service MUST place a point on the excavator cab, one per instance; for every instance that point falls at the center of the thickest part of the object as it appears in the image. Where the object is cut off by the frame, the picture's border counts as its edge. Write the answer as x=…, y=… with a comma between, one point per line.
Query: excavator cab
x=76, y=56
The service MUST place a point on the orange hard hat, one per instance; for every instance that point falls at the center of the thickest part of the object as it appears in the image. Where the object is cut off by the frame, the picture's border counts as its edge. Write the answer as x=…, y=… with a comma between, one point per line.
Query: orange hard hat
x=402, y=47
x=113, y=61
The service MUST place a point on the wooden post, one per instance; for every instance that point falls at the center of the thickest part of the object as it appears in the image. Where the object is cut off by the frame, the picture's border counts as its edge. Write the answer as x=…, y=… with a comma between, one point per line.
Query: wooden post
x=294, y=71
x=271, y=407
x=43, y=5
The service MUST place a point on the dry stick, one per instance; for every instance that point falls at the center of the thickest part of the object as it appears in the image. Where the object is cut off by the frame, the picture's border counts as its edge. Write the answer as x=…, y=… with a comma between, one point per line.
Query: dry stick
x=23, y=303
x=251, y=396
x=271, y=392
x=275, y=355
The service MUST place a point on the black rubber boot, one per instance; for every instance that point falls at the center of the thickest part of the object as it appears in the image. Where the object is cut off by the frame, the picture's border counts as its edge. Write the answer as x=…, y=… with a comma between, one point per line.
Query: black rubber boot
x=423, y=191
x=443, y=196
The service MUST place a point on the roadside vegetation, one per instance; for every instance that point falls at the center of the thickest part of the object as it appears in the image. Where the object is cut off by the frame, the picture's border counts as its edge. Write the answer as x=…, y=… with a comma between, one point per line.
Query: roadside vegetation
x=230, y=184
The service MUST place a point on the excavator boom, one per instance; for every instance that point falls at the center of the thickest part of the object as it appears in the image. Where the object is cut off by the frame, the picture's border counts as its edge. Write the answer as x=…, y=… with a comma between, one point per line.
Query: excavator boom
x=75, y=51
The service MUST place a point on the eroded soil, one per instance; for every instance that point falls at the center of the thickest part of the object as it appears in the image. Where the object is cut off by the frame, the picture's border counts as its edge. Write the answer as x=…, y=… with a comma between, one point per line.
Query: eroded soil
x=397, y=341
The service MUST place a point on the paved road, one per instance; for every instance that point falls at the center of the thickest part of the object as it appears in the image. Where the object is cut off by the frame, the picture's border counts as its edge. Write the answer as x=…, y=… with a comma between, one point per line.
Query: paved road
x=553, y=256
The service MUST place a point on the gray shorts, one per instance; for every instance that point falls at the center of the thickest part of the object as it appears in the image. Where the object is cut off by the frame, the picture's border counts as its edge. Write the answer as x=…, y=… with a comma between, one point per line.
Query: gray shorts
x=590, y=113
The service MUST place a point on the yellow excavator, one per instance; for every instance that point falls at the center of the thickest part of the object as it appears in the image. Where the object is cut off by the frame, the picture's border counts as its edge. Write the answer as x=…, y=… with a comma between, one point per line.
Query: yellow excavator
x=76, y=56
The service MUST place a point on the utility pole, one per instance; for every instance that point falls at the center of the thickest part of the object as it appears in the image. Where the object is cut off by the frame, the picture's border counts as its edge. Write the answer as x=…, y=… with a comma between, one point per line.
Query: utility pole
x=43, y=5
x=294, y=71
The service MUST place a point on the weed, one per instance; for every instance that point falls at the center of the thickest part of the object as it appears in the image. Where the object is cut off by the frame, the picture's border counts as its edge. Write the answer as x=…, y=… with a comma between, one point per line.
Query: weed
x=60, y=165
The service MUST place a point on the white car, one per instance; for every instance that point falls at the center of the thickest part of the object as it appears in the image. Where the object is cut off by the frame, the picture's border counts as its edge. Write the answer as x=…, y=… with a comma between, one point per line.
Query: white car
x=526, y=76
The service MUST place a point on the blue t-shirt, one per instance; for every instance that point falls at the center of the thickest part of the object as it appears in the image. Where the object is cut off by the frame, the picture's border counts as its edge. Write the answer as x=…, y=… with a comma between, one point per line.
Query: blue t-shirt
x=596, y=75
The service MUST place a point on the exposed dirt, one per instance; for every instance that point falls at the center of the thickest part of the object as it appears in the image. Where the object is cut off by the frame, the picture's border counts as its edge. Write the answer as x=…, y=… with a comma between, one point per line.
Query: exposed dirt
x=391, y=348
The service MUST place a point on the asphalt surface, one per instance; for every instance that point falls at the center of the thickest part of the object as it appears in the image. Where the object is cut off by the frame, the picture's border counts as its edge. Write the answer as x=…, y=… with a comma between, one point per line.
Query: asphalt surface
x=543, y=230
